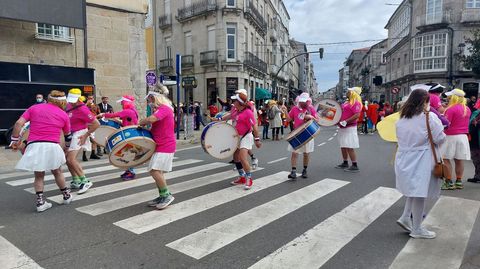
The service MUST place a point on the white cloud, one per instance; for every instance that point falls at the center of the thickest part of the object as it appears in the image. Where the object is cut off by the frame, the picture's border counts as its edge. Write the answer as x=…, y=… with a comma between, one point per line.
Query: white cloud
x=328, y=21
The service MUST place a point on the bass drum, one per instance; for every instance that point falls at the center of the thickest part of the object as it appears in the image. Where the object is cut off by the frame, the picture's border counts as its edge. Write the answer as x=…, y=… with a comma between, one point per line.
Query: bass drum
x=220, y=140
x=106, y=128
x=130, y=146
x=329, y=112
x=303, y=134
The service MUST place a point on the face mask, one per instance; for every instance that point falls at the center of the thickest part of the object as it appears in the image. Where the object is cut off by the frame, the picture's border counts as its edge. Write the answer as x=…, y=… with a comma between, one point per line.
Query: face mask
x=39, y=100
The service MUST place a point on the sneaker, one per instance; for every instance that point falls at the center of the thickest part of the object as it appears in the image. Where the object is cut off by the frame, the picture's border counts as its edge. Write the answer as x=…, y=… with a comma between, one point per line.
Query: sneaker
x=448, y=185
x=44, y=206
x=75, y=185
x=304, y=173
x=248, y=184
x=124, y=174
x=165, y=201
x=95, y=157
x=423, y=233
x=84, y=187
x=352, y=169
x=84, y=158
x=67, y=199
x=239, y=181
x=254, y=163
x=155, y=201
x=129, y=176
x=292, y=175
x=406, y=224
x=474, y=180
x=342, y=166
x=458, y=185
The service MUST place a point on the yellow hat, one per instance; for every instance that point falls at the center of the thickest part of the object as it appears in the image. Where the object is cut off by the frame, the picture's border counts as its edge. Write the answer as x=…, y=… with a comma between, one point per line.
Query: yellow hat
x=73, y=95
x=82, y=98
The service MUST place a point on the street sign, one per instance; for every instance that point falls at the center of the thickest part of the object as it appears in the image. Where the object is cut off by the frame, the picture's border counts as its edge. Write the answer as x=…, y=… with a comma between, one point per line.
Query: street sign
x=161, y=78
x=395, y=90
x=169, y=80
x=189, y=82
x=151, y=78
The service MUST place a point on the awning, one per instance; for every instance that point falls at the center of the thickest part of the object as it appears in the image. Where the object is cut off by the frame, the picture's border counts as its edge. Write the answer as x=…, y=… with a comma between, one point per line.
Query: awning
x=261, y=93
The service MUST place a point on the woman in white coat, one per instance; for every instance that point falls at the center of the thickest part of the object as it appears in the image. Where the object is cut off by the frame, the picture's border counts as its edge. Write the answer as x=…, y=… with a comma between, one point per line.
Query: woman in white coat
x=414, y=161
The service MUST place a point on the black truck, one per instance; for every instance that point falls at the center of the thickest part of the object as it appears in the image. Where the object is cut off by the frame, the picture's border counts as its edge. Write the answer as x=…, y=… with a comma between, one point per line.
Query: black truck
x=20, y=82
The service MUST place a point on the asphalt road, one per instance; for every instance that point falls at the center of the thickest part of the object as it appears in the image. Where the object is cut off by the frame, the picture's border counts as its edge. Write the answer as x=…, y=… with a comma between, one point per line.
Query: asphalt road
x=333, y=219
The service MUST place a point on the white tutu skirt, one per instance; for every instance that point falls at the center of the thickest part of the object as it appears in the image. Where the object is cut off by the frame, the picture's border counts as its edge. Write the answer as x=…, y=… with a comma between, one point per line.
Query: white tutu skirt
x=161, y=161
x=348, y=137
x=41, y=156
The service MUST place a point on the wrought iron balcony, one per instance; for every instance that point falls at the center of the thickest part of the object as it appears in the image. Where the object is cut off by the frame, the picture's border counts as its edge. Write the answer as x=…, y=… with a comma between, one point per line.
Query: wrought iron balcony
x=257, y=20
x=203, y=7
x=187, y=61
x=165, y=21
x=440, y=21
x=208, y=57
x=166, y=65
x=470, y=15
x=254, y=62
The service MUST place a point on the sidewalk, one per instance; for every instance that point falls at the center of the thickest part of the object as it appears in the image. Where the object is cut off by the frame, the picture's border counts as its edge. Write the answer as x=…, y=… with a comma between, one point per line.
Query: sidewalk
x=8, y=158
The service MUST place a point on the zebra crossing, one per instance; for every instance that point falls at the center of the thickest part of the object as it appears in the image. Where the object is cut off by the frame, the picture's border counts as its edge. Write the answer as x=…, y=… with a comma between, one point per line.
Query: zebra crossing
x=312, y=248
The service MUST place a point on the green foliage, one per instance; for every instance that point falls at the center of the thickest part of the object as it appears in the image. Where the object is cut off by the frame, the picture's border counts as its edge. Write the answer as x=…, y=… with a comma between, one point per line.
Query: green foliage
x=472, y=61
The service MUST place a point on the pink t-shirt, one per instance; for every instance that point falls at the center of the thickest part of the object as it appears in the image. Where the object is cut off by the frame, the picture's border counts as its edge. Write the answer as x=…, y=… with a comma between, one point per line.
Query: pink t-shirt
x=348, y=111
x=47, y=122
x=297, y=114
x=244, y=120
x=79, y=117
x=458, y=119
x=435, y=101
x=128, y=116
x=163, y=130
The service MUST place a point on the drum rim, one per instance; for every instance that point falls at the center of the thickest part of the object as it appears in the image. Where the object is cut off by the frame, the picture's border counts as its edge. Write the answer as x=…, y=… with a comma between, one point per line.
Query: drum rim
x=338, y=106
x=127, y=140
x=304, y=143
x=202, y=141
x=301, y=127
x=95, y=138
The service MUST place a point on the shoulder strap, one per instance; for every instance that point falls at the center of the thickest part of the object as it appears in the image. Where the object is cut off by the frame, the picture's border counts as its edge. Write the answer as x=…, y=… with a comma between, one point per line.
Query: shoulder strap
x=430, y=138
x=75, y=107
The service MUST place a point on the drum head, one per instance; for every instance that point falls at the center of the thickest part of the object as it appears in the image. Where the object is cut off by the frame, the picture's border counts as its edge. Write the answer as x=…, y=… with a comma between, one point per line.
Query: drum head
x=329, y=112
x=131, y=147
x=221, y=140
x=102, y=133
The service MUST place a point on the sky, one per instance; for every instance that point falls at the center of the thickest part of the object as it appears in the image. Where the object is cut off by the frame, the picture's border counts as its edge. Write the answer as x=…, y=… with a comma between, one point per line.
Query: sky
x=333, y=21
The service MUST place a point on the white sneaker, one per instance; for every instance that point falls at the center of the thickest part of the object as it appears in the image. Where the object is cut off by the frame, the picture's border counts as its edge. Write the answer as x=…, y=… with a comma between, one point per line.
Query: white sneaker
x=423, y=233
x=69, y=200
x=254, y=163
x=75, y=185
x=46, y=205
x=405, y=223
x=84, y=187
x=165, y=201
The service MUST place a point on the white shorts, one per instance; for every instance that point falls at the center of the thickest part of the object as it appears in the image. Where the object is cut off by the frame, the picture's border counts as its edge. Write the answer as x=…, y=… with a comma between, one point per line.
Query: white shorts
x=456, y=147
x=348, y=137
x=307, y=148
x=247, y=142
x=76, y=138
x=41, y=156
x=161, y=161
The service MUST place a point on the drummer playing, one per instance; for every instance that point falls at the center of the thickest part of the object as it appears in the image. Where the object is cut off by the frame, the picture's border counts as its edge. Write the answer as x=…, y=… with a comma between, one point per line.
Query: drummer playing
x=129, y=116
x=301, y=113
x=244, y=120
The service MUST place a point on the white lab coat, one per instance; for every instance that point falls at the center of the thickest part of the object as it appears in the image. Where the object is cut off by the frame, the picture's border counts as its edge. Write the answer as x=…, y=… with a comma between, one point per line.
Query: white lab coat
x=414, y=160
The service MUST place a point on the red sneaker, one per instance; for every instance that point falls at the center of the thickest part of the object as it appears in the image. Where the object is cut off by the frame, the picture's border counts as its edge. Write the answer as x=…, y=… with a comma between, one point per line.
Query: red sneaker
x=248, y=184
x=239, y=181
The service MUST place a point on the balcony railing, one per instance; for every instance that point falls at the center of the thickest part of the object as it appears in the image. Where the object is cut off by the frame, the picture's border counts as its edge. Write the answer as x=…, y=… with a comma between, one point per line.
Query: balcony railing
x=471, y=15
x=254, y=62
x=166, y=64
x=256, y=18
x=208, y=57
x=196, y=9
x=440, y=19
x=165, y=21
x=187, y=61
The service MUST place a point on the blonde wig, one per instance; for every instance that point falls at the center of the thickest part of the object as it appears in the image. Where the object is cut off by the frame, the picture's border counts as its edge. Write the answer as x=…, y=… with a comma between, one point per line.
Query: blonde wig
x=354, y=97
x=57, y=98
x=160, y=100
x=455, y=100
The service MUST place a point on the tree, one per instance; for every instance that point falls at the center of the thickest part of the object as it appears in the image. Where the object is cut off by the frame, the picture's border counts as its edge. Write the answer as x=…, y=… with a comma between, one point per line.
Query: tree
x=472, y=61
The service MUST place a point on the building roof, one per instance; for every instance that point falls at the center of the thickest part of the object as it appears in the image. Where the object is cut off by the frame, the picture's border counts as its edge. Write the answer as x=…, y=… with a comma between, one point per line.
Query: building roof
x=404, y=2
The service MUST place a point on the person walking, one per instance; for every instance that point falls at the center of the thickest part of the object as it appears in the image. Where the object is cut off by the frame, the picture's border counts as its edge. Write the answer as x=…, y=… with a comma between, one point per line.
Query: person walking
x=275, y=119
x=265, y=122
x=474, y=131
x=414, y=160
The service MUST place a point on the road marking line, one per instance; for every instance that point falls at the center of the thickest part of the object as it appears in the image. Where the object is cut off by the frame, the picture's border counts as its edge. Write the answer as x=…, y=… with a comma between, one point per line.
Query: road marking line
x=277, y=160
x=217, y=236
x=431, y=253
x=138, y=198
x=316, y=246
x=104, y=177
x=154, y=219
x=12, y=257
x=330, y=139
x=139, y=182
x=321, y=144
x=335, y=134
x=194, y=147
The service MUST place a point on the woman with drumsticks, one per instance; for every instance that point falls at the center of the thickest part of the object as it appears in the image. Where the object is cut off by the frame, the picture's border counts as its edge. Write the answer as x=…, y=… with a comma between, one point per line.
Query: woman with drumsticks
x=162, y=129
x=299, y=114
x=244, y=119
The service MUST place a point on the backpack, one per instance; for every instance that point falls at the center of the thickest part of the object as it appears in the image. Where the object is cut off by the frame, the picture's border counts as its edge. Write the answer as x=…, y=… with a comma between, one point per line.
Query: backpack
x=271, y=114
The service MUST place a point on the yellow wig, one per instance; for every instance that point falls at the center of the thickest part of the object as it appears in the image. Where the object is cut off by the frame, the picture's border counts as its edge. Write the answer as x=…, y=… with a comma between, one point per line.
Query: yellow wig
x=455, y=100
x=355, y=95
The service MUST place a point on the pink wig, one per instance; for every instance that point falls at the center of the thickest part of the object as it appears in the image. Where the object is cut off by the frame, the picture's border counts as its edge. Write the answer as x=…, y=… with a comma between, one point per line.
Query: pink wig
x=477, y=104
x=128, y=102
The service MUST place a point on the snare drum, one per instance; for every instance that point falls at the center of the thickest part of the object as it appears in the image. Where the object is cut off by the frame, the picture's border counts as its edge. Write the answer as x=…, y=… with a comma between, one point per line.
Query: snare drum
x=303, y=134
x=106, y=128
x=130, y=147
x=329, y=112
x=220, y=140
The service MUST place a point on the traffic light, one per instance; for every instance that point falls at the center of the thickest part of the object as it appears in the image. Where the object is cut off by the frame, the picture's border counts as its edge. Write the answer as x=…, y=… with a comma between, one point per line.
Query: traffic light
x=320, y=50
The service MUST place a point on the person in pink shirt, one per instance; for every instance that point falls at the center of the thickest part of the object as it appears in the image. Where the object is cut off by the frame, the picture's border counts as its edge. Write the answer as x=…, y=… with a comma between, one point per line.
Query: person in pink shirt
x=83, y=124
x=347, y=135
x=435, y=91
x=128, y=116
x=162, y=129
x=245, y=124
x=299, y=114
x=43, y=152
x=456, y=146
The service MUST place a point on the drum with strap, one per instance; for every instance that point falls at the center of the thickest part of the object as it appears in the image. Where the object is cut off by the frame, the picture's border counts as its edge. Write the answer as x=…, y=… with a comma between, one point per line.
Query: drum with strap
x=329, y=112
x=130, y=146
x=220, y=140
x=106, y=128
x=303, y=134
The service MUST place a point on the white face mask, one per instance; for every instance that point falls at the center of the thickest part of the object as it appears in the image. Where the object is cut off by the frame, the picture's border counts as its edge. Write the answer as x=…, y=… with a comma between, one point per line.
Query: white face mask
x=39, y=100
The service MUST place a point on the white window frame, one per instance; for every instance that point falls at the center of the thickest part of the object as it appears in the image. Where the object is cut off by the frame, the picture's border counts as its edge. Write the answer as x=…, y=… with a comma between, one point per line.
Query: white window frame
x=188, y=43
x=424, y=61
x=57, y=33
x=472, y=4
x=435, y=17
x=231, y=5
x=211, y=44
x=168, y=48
x=234, y=49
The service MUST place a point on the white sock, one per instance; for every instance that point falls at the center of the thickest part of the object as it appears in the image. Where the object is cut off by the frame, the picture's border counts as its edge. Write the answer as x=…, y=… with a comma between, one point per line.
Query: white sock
x=407, y=211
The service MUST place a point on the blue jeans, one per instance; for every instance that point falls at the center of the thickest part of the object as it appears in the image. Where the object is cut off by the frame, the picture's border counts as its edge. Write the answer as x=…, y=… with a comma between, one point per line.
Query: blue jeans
x=265, y=130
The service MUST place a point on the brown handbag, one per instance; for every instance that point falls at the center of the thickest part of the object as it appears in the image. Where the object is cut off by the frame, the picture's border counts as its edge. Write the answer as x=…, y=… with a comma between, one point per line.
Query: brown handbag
x=440, y=170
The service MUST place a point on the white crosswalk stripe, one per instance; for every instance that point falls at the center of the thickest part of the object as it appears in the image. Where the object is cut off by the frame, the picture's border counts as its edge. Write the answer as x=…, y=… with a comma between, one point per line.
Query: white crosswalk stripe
x=12, y=257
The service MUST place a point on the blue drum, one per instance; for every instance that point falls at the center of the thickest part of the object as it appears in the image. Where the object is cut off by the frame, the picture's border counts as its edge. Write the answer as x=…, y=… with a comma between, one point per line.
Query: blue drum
x=110, y=123
x=130, y=146
x=303, y=134
x=106, y=128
